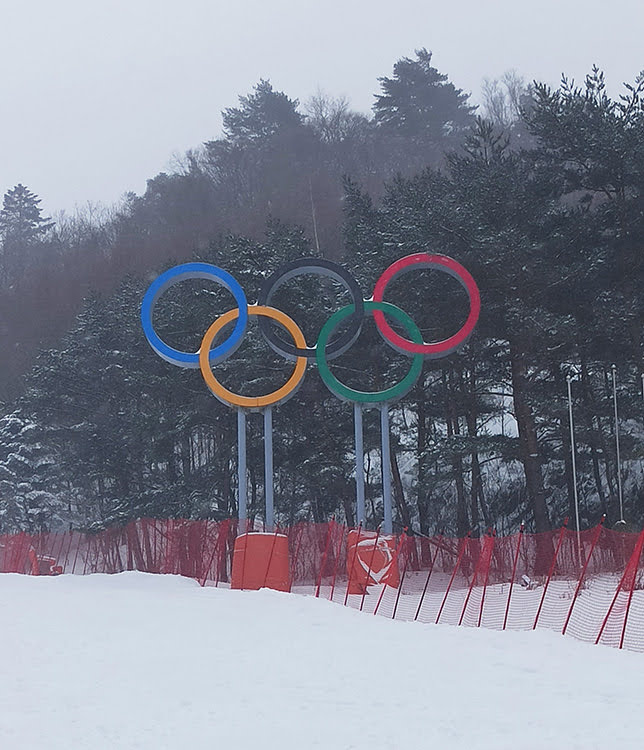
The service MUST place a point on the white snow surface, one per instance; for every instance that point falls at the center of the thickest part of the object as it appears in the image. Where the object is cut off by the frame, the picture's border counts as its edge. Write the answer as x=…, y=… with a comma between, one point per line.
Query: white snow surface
x=156, y=662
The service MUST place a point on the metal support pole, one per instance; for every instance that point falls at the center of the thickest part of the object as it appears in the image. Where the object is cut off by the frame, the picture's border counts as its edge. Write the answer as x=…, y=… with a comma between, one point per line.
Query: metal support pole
x=385, y=459
x=573, y=452
x=242, y=492
x=360, y=501
x=619, y=464
x=268, y=467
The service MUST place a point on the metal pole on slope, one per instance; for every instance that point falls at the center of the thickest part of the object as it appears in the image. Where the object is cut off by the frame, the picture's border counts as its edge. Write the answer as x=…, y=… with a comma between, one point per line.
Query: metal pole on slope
x=619, y=465
x=241, y=468
x=268, y=468
x=360, y=497
x=573, y=452
x=385, y=458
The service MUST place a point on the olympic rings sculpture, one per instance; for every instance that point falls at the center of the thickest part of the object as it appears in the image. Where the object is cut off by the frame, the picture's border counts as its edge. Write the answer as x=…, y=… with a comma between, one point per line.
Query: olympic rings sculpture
x=328, y=345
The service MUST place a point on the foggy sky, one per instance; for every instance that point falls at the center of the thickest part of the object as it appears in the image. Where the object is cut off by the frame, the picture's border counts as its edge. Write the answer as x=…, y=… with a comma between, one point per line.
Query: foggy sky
x=97, y=95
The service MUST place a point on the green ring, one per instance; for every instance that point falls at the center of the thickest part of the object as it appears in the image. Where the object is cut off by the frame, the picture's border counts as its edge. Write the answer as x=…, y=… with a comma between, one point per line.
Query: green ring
x=361, y=397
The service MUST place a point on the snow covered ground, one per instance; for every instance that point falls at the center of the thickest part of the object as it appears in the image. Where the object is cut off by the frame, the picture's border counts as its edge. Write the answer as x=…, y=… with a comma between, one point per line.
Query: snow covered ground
x=156, y=663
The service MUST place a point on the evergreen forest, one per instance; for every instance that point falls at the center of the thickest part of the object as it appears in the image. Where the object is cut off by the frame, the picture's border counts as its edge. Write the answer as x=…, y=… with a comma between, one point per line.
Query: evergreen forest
x=538, y=192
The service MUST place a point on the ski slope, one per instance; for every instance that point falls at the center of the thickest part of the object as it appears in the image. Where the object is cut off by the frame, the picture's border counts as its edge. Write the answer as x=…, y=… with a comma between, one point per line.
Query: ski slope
x=156, y=662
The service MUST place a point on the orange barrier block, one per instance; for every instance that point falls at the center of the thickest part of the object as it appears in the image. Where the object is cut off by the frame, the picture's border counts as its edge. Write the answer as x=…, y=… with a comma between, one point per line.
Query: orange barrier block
x=260, y=560
x=43, y=565
x=370, y=560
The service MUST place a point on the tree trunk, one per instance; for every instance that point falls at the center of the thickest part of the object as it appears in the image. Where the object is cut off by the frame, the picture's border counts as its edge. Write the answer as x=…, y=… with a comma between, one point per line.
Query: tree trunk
x=477, y=497
x=598, y=442
x=453, y=429
x=528, y=442
x=399, y=491
x=421, y=461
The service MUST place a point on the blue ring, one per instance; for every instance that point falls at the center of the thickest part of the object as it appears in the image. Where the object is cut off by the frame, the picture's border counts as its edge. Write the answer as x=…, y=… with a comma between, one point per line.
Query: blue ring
x=174, y=276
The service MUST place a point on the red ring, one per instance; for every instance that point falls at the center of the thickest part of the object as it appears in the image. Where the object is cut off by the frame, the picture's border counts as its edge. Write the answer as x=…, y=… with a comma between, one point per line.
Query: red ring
x=450, y=266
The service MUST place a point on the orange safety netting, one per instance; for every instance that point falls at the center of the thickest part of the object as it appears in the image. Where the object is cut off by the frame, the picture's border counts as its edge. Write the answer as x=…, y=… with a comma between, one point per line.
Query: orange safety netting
x=589, y=585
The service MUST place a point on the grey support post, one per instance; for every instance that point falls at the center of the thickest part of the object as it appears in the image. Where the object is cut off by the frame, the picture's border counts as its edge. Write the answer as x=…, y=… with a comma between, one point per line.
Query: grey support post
x=242, y=492
x=360, y=501
x=268, y=467
x=388, y=526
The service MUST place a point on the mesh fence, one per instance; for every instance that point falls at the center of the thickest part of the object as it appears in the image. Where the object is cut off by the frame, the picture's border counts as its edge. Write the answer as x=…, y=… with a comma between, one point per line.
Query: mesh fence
x=589, y=585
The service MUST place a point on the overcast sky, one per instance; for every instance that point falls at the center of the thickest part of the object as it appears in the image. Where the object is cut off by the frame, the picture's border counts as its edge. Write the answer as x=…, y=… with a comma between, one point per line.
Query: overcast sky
x=97, y=96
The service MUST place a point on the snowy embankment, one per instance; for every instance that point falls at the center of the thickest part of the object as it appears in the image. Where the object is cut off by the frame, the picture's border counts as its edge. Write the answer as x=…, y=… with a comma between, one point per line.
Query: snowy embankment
x=156, y=663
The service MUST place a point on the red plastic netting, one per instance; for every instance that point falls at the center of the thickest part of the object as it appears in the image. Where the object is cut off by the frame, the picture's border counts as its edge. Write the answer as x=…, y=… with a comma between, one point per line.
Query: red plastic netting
x=589, y=585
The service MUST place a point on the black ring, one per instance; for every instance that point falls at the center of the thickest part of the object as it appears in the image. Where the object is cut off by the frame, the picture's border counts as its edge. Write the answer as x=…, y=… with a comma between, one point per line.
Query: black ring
x=323, y=267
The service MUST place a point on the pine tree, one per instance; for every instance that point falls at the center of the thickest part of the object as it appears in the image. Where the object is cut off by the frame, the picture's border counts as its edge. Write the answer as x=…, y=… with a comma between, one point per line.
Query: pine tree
x=31, y=489
x=22, y=228
x=261, y=114
x=419, y=102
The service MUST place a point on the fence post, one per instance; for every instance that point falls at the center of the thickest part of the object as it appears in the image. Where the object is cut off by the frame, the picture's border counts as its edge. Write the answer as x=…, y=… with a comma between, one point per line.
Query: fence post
x=58, y=555
x=246, y=533
x=451, y=580
x=583, y=573
x=69, y=547
x=167, y=552
x=403, y=536
x=630, y=593
x=89, y=539
x=353, y=562
x=20, y=553
x=484, y=560
x=212, y=557
x=514, y=570
x=550, y=571
x=489, y=542
x=155, y=545
x=200, y=570
x=469, y=590
x=296, y=556
x=431, y=568
x=33, y=558
x=373, y=554
x=324, y=556
x=631, y=571
x=402, y=580
x=80, y=536
x=270, y=557
x=224, y=555
x=335, y=567
x=145, y=533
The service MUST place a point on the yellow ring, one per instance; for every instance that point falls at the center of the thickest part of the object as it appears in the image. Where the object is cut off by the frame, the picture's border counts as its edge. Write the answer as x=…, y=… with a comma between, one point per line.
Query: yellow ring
x=252, y=402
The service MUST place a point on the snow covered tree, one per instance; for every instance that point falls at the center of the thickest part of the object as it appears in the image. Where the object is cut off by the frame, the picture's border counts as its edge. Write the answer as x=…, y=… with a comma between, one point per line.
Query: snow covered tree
x=31, y=490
